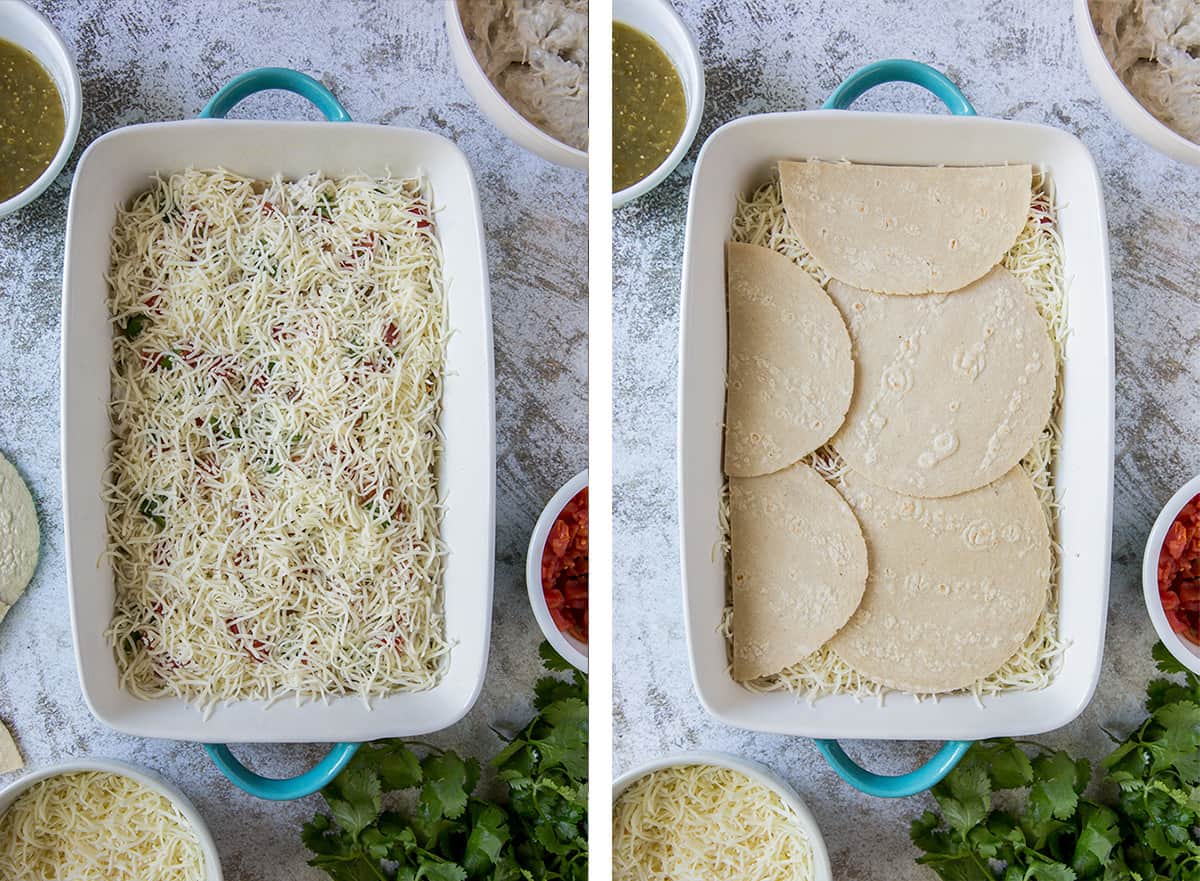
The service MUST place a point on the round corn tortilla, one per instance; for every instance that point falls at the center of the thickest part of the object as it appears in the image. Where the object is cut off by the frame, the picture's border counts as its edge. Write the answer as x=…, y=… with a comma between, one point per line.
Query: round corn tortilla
x=951, y=391
x=18, y=536
x=790, y=373
x=10, y=756
x=799, y=568
x=905, y=229
x=956, y=585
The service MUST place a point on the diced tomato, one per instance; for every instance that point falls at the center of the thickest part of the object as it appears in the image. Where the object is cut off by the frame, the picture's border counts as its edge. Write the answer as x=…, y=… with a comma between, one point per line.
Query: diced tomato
x=1179, y=572
x=559, y=539
x=391, y=334
x=1176, y=540
x=565, y=566
x=560, y=620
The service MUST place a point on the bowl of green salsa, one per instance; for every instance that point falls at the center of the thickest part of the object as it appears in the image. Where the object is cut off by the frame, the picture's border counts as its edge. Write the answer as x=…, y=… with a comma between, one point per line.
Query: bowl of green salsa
x=658, y=95
x=39, y=105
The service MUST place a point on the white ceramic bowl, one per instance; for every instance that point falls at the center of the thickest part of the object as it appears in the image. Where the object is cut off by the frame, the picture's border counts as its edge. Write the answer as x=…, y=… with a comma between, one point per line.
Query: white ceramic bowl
x=569, y=647
x=496, y=107
x=658, y=20
x=760, y=774
x=1124, y=106
x=165, y=788
x=1185, y=652
x=29, y=29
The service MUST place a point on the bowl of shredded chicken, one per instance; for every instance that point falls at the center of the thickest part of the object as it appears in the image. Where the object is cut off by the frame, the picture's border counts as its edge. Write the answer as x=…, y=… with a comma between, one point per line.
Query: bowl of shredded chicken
x=1144, y=59
x=525, y=62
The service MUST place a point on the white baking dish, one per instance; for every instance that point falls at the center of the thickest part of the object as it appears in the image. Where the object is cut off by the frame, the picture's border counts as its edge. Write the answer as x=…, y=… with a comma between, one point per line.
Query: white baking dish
x=741, y=156
x=119, y=165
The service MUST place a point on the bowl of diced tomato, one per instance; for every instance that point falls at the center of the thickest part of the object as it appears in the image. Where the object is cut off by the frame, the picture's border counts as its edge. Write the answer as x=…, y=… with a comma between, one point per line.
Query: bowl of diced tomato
x=1171, y=575
x=556, y=571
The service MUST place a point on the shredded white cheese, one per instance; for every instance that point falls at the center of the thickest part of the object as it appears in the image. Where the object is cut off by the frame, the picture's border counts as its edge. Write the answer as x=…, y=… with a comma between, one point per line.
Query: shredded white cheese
x=1035, y=258
x=97, y=826
x=273, y=518
x=702, y=823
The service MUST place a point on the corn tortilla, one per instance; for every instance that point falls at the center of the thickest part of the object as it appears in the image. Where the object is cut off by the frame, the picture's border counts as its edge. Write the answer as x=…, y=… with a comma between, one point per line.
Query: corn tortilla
x=790, y=372
x=906, y=229
x=955, y=584
x=799, y=568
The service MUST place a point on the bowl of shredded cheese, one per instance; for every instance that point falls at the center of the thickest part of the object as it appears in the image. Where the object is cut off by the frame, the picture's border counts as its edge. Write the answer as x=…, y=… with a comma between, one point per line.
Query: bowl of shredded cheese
x=700, y=815
x=102, y=820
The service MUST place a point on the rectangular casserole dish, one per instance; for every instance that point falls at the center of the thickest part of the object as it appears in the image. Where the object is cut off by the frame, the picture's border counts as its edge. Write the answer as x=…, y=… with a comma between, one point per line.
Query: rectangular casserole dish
x=112, y=170
x=741, y=156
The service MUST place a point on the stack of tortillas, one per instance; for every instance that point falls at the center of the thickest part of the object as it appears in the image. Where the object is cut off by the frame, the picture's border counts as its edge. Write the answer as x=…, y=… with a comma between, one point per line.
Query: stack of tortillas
x=929, y=370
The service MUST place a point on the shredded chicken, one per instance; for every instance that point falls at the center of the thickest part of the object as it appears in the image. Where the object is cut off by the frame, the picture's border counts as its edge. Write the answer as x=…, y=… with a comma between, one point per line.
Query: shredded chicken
x=1154, y=46
x=536, y=53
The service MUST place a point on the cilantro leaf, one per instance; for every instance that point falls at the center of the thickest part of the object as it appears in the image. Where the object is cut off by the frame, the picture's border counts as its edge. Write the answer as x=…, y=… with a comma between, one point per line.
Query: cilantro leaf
x=1165, y=661
x=354, y=799
x=550, y=689
x=551, y=659
x=489, y=834
x=965, y=798
x=448, y=782
x=537, y=833
x=440, y=870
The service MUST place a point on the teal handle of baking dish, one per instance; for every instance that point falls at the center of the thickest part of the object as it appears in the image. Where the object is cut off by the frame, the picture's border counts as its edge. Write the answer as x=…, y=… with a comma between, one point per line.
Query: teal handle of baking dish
x=265, y=79
x=261, y=80
x=899, y=70
x=288, y=788
x=900, y=786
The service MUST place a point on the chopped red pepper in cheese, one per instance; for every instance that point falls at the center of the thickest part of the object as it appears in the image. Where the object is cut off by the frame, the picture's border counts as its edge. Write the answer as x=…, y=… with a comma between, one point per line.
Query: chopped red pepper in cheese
x=1179, y=572
x=565, y=568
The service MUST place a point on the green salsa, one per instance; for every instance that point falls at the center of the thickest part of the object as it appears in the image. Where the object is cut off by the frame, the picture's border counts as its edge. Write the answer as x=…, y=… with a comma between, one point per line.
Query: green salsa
x=31, y=119
x=649, y=109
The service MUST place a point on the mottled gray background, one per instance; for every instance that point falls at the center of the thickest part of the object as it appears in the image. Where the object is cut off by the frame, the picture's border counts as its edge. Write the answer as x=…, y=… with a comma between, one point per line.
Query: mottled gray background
x=389, y=63
x=1015, y=60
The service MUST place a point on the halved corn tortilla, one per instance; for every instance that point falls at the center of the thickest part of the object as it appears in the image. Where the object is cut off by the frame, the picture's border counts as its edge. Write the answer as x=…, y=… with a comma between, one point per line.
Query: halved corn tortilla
x=790, y=373
x=955, y=584
x=19, y=536
x=10, y=756
x=951, y=391
x=799, y=568
x=906, y=229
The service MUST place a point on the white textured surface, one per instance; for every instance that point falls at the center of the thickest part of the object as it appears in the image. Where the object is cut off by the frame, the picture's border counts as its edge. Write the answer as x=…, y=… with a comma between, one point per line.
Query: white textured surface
x=1014, y=60
x=388, y=63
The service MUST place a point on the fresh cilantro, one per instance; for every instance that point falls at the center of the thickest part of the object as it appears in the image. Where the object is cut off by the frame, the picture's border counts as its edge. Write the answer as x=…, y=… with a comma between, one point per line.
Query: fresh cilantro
x=148, y=508
x=537, y=833
x=1046, y=830
x=134, y=326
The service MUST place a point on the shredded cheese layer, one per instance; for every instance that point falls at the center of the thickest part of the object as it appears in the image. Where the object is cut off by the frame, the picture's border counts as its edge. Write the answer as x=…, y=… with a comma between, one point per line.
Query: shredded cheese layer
x=700, y=823
x=273, y=518
x=1036, y=259
x=97, y=826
